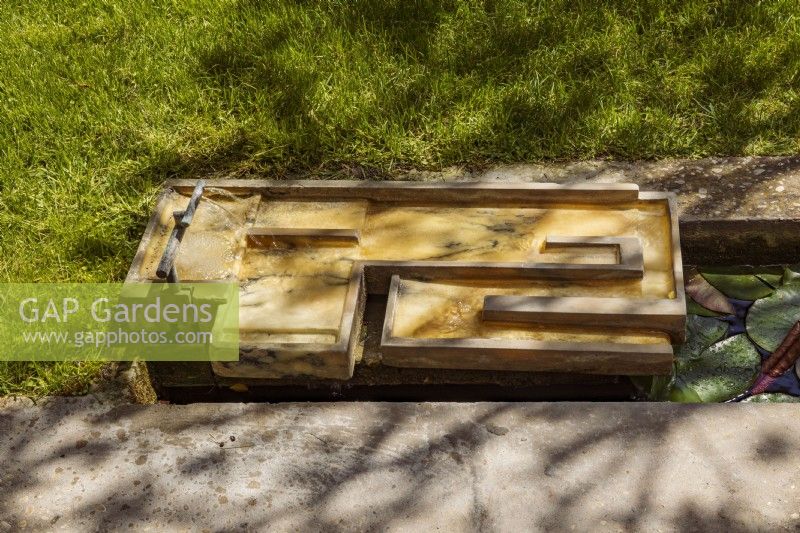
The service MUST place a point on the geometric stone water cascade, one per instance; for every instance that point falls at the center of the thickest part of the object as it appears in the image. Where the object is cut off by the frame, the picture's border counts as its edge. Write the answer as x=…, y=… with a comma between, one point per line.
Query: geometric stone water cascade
x=531, y=277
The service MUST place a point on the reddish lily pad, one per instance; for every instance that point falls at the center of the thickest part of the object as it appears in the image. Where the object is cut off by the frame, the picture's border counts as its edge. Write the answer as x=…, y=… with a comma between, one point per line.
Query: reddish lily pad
x=704, y=294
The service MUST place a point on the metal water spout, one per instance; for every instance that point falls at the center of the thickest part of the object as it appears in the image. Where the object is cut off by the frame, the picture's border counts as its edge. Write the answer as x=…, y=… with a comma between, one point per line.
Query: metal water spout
x=166, y=267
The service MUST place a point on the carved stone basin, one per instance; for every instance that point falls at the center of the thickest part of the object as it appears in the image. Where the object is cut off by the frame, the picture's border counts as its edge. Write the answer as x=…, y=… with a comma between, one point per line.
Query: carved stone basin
x=525, y=277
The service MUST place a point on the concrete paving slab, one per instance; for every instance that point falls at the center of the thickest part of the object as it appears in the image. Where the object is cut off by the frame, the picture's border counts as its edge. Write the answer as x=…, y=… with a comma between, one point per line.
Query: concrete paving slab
x=80, y=465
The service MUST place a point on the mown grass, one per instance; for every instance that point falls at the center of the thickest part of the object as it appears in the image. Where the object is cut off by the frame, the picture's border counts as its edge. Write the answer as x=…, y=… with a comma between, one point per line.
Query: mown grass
x=42, y=379
x=100, y=101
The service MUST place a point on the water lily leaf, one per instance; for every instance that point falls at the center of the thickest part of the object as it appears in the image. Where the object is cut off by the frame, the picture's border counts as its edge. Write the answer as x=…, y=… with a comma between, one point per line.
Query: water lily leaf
x=694, y=308
x=739, y=286
x=791, y=273
x=772, y=397
x=772, y=276
x=701, y=332
x=656, y=388
x=682, y=393
x=702, y=292
x=722, y=371
x=771, y=318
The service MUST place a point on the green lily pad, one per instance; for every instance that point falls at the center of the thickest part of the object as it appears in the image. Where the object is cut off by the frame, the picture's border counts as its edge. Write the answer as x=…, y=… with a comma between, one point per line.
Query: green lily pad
x=694, y=308
x=683, y=393
x=772, y=276
x=655, y=388
x=771, y=318
x=772, y=397
x=722, y=371
x=701, y=332
x=739, y=286
x=791, y=273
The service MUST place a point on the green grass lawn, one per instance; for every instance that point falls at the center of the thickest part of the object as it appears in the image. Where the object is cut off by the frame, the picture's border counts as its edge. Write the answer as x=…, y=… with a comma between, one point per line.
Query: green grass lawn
x=101, y=101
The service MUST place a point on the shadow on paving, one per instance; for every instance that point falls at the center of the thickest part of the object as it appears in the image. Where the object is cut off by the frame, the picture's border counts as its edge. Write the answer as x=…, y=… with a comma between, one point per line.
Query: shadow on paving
x=375, y=466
